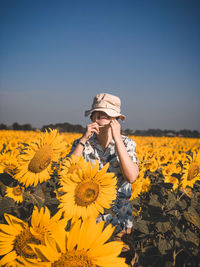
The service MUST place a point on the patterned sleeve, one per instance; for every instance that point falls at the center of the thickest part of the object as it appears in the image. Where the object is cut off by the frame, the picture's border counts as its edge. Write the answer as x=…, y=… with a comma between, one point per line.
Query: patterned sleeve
x=73, y=147
x=131, y=149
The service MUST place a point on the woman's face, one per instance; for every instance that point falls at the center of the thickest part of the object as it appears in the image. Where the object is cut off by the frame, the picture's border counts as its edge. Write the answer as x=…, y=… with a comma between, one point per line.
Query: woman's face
x=101, y=118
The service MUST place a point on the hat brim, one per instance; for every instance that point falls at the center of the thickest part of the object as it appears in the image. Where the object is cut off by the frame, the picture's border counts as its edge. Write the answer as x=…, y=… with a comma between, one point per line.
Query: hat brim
x=109, y=112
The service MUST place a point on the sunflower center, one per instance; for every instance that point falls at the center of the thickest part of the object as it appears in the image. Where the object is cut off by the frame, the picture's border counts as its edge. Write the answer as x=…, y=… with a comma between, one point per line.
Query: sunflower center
x=39, y=233
x=162, y=158
x=17, y=191
x=86, y=193
x=41, y=159
x=21, y=244
x=74, y=258
x=193, y=171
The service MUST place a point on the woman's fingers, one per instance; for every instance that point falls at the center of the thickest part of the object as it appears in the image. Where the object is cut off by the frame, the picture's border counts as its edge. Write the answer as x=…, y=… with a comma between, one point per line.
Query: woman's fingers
x=94, y=127
x=116, y=128
x=91, y=129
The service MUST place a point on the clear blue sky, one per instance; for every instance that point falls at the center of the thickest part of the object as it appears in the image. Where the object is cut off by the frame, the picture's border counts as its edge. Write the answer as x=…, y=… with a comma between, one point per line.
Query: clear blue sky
x=55, y=56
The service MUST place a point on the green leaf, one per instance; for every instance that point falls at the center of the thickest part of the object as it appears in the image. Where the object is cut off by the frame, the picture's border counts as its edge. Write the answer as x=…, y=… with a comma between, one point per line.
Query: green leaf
x=163, y=227
x=154, y=201
x=194, y=202
x=178, y=234
x=182, y=204
x=141, y=226
x=192, y=216
x=156, y=214
x=163, y=246
x=171, y=201
x=175, y=213
x=192, y=237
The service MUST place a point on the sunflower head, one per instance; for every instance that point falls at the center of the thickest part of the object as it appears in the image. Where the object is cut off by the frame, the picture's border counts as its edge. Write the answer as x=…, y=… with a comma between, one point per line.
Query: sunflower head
x=22, y=244
x=136, y=189
x=36, y=160
x=72, y=164
x=150, y=164
x=87, y=191
x=78, y=247
x=17, y=236
x=16, y=193
x=191, y=170
x=15, y=241
x=9, y=162
x=42, y=222
x=146, y=185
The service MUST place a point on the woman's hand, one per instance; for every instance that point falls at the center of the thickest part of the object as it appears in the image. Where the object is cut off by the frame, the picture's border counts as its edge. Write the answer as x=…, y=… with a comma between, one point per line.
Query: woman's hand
x=90, y=130
x=116, y=129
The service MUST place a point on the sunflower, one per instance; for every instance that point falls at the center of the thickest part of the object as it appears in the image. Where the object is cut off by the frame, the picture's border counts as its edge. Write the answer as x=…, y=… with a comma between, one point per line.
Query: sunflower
x=136, y=189
x=42, y=222
x=17, y=235
x=178, y=156
x=68, y=139
x=148, y=152
x=15, y=238
x=80, y=248
x=172, y=180
x=169, y=171
x=35, y=164
x=9, y=162
x=151, y=165
x=142, y=184
x=163, y=156
x=87, y=191
x=191, y=170
x=146, y=185
x=71, y=165
x=171, y=168
x=16, y=193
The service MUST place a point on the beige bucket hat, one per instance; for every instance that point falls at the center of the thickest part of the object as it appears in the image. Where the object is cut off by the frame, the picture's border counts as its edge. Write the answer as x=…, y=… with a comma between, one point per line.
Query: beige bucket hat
x=107, y=103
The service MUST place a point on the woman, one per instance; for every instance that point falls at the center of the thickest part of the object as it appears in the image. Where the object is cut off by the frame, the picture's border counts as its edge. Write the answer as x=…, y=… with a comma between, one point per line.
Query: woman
x=103, y=141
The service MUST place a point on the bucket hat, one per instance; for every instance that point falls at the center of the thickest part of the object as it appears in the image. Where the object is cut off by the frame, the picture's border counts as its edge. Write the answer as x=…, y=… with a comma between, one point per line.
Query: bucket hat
x=107, y=103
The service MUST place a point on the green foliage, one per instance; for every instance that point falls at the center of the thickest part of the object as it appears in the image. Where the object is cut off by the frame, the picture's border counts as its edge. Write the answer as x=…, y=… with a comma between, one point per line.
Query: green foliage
x=41, y=195
x=166, y=230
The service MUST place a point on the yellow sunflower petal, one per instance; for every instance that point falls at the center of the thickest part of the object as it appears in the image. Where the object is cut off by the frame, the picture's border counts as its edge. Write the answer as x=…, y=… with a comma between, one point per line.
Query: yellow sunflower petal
x=109, y=249
x=8, y=258
x=73, y=235
x=105, y=235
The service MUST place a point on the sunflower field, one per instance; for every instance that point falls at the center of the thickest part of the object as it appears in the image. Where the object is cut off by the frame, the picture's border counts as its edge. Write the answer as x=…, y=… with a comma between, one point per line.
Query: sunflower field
x=49, y=203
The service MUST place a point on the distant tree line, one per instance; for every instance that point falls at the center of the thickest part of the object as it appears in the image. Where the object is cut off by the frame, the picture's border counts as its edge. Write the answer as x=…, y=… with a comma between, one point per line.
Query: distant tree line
x=77, y=128
x=65, y=127
x=62, y=127
x=17, y=127
x=160, y=133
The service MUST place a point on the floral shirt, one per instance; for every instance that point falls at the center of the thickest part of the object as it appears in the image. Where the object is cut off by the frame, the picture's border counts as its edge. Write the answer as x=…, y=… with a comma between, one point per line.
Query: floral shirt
x=120, y=214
